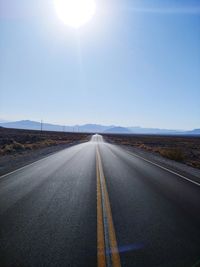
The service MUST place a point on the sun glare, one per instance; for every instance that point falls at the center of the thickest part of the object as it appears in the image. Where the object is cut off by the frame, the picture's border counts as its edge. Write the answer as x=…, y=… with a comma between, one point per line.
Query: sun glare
x=75, y=13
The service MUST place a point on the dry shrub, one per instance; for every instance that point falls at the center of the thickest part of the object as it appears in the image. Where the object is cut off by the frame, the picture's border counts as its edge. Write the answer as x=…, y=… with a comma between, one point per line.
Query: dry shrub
x=195, y=164
x=125, y=143
x=143, y=146
x=172, y=153
x=28, y=146
x=7, y=149
x=10, y=148
x=17, y=146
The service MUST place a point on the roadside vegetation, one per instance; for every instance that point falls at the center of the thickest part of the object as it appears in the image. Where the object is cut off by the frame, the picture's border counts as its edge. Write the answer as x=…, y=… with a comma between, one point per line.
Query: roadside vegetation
x=185, y=149
x=13, y=141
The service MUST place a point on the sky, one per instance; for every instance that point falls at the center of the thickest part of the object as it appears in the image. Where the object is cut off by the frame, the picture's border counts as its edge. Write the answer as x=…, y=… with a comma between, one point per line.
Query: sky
x=136, y=63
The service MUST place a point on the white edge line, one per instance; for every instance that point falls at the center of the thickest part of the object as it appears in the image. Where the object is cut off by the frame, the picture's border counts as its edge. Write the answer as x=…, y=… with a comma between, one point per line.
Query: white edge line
x=21, y=168
x=30, y=164
x=185, y=178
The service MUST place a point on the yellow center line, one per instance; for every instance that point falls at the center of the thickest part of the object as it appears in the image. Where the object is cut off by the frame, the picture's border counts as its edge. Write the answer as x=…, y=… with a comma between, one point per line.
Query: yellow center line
x=101, y=185
x=100, y=229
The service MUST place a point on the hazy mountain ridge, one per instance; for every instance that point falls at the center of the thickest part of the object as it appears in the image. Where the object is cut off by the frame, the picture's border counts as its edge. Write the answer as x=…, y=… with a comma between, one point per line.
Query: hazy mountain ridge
x=195, y=131
x=118, y=129
x=93, y=128
x=35, y=125
x=140, y=130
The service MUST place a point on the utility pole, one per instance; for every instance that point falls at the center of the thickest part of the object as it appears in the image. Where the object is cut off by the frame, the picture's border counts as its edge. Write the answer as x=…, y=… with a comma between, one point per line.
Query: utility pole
x=63, y=128
x=41, y=125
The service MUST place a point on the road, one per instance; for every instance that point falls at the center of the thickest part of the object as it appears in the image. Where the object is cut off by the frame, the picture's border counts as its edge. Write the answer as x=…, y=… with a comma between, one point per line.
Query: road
x=95, y=204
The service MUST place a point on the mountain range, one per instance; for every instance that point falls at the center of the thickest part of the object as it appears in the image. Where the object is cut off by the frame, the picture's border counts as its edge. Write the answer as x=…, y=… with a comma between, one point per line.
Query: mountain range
x=92, y=128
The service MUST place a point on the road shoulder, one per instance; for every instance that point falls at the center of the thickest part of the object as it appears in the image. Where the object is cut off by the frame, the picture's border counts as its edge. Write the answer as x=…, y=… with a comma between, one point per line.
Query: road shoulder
x=180, y=168
x=12, y=162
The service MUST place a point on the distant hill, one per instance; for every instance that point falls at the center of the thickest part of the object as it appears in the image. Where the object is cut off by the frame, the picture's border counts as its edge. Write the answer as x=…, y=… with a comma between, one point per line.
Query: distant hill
x=2, y=121
x=93, y=128
x=120, y=130
x=31, y=125
x=35, y=125
x=140, y=130
x=193, y=132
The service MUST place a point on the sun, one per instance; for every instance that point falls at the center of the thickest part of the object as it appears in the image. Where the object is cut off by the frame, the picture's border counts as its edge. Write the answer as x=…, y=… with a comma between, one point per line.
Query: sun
x=75, y=13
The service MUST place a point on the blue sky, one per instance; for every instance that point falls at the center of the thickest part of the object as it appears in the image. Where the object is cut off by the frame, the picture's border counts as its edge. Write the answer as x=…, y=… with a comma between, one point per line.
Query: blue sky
x=134, y=63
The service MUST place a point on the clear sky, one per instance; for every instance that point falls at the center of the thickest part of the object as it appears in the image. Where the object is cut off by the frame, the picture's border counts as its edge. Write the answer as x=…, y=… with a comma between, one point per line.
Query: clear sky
x=135, y=63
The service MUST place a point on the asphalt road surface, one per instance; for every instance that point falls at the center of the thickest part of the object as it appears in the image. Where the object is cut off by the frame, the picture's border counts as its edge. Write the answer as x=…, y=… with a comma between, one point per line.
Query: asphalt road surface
x=95, y=204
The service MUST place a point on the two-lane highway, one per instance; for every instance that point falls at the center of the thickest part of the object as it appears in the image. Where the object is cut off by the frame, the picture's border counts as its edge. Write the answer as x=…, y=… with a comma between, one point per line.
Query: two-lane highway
x=96, y=204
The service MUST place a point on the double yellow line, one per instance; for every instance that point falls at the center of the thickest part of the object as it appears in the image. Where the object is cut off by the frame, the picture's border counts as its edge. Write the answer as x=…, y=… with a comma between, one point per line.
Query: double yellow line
x=107, y=249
